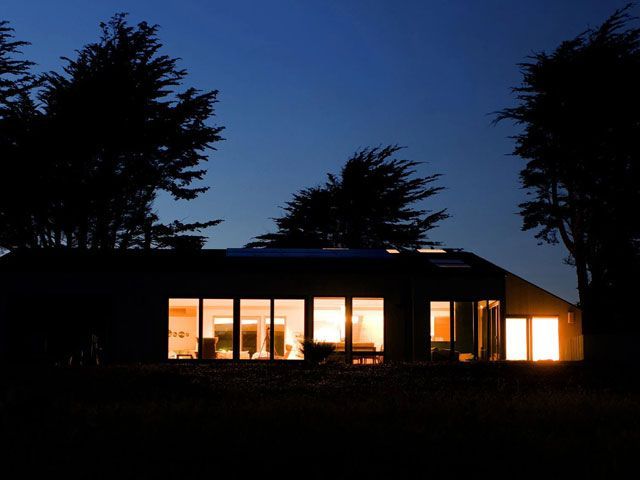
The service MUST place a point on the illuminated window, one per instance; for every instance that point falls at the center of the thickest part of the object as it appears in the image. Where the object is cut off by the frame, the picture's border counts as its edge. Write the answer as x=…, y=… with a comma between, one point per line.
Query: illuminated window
x=183, y=328
x=463, y=330
x=544, y=336
x=217, y=329
x=329, y=318
x=542, y=339
x=289, y=329
x=490, y=335
x=441, y=322
x=516, y=338
x=462, y=323
x=367, y=326
x=255, y=326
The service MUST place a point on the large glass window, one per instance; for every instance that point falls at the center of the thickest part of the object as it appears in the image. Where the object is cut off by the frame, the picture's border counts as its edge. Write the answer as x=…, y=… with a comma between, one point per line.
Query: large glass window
x=489, y=330
x=367, y=324
x=440, y=324
x=469, y=324
x=544, y=338
x=217, y=328
x=255, y=329
x=329, y=319
x=367, y=329
x=516, y=338
x=289, y=329
x=183, y=328
x=463, y=317
x=483, y=330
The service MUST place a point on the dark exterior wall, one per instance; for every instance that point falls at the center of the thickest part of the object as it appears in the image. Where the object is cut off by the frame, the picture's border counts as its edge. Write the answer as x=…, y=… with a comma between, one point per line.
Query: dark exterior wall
x=131, y=308
x=525, y=299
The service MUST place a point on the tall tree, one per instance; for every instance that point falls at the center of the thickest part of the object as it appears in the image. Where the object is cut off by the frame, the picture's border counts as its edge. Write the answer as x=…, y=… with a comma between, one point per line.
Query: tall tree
x=15, y=75
x=579, y=107
x=370, y=204
x=116, y=130
x=18, y=118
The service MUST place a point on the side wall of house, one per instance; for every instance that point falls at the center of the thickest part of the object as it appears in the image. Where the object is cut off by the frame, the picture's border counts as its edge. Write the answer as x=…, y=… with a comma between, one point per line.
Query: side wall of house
x=527, y=300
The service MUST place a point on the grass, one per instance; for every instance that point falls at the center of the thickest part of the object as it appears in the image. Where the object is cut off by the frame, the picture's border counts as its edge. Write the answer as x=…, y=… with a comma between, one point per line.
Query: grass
x=295, y=421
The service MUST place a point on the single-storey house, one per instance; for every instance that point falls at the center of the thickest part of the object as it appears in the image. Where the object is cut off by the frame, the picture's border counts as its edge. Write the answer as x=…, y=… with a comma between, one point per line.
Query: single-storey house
x=261, y=304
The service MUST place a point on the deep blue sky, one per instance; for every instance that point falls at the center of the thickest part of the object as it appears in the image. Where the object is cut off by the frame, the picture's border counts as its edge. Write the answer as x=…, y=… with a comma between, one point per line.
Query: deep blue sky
x=305, y=83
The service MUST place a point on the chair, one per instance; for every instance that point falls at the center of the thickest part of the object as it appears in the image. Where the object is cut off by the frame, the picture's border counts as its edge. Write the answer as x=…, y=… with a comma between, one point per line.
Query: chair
x=209, y=347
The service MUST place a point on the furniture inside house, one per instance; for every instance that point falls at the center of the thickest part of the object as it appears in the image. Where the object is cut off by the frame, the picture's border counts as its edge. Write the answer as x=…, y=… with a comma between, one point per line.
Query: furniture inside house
x=186, y=354
x=209, y=347
x=287, y=352
x=362, y=352
x=444, y=354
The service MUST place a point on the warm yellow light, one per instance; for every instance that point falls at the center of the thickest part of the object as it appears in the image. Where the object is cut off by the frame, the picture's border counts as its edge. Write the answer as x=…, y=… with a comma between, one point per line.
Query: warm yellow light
x=393, y=250
x=431, y=250
x=544, y=333
x=223, y=321
x=329, y=321
x=516, y=338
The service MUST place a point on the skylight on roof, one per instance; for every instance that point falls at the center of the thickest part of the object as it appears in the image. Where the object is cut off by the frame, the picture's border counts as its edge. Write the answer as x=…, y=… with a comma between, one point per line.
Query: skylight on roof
x=449, y=263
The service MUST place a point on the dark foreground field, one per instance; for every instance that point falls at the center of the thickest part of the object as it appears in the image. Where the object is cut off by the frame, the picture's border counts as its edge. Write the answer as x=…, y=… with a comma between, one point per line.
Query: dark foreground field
x=293, y=422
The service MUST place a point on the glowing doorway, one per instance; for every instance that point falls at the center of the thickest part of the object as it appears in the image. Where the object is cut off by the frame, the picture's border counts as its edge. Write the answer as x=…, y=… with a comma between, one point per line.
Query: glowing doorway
x=516, y=338
x=544, y=336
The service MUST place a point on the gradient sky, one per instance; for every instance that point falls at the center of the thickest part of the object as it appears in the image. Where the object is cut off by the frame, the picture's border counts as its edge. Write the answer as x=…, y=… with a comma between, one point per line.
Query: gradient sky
x=303, y=84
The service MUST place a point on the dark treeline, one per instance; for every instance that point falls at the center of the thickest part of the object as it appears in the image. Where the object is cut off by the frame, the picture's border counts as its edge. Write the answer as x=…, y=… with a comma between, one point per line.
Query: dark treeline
x=84, y=153
x=370, y=204
x=579, y=107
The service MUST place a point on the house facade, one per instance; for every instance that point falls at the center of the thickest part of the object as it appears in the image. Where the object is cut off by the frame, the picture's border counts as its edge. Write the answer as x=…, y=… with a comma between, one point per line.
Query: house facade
x=261, y=304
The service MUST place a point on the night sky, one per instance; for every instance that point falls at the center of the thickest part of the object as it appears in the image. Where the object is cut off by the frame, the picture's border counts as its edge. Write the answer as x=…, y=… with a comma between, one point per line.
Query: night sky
x=303, y=84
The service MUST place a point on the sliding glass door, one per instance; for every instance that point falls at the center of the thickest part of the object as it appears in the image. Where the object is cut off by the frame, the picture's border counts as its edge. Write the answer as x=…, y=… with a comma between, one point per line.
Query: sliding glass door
x=532, y=338
x=359, y=337
x=545, y=344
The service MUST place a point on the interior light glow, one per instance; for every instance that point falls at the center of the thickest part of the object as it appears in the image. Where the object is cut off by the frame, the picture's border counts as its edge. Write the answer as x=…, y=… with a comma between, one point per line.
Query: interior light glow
x=222, y=321
x=329, y=326
x=516, y=338
x=544, y=336
x=431, y=250
x=393, y=250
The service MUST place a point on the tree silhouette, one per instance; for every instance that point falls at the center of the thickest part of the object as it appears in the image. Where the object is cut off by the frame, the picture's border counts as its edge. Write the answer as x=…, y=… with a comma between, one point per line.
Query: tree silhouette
x=370, y=204
x=115, y=131
x=18, y=119
x=15, y=75
x=580, y=111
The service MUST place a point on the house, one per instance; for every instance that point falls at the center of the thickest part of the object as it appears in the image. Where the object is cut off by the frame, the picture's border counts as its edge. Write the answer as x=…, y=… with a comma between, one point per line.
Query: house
x=260, y=304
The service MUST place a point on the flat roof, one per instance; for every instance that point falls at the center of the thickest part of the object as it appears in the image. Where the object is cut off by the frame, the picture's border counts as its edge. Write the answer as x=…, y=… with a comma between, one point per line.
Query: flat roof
x=445, y=261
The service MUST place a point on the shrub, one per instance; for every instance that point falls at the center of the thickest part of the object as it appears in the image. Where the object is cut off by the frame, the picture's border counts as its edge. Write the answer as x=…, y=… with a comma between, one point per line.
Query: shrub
x=316, y=352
